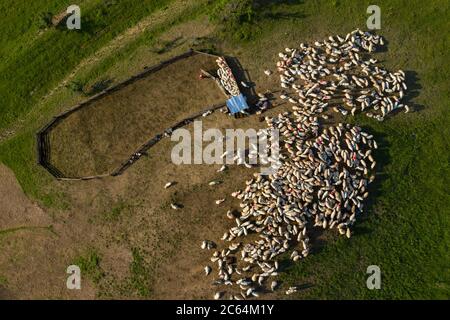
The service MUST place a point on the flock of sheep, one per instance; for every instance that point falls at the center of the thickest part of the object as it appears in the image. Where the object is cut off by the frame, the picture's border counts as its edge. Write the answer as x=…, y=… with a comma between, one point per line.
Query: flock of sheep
x=336, y=74
x=324, y=172
x=226, y=78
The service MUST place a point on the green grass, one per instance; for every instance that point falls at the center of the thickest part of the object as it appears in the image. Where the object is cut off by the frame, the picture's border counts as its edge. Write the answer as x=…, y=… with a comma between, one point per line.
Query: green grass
x=3, y=281
x=58, y=50
x=236, y=18
x=140, y=276
x=405, y=230
x=136, y=285
x=89, y=264
x=20, y=24
x=117, y=211
x=147, y=39
x=19, y=154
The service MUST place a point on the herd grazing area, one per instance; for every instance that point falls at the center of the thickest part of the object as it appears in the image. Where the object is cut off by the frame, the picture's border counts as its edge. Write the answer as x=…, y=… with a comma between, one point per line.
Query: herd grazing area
x=122, y=231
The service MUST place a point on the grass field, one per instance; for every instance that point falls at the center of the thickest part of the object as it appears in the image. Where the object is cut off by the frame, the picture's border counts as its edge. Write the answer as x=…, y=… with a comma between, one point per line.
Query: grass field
x=406, y=228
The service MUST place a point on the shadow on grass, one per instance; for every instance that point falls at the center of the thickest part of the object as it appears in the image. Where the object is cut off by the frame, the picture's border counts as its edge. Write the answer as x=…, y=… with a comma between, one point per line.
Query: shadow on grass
x=267, y=6
x=89, y=26
x=167, y=46
x=383, y=159
x=99, y=86
x=242, y=75
x=413, y=83
x=383, y=48
x=284, y=15
x=206, y=45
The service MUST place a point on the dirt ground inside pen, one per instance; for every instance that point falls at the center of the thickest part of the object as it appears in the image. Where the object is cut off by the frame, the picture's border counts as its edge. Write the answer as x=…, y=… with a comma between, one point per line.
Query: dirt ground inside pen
x=98, y=138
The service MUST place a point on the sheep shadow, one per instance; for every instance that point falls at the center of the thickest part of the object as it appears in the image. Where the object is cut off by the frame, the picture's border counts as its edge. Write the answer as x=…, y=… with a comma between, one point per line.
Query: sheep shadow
x=383, y=48
x=168, y=45
x=99, y=86
x=269, y=4
x=383, y=159
x=412, y=82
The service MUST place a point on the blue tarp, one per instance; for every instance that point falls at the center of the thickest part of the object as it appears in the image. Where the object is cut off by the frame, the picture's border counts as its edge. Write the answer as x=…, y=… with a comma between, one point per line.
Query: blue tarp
x=237, y=104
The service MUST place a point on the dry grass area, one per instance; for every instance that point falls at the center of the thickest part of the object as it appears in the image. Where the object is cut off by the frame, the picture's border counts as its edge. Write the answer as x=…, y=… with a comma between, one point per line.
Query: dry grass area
x=35, y=246
x=97, y=139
